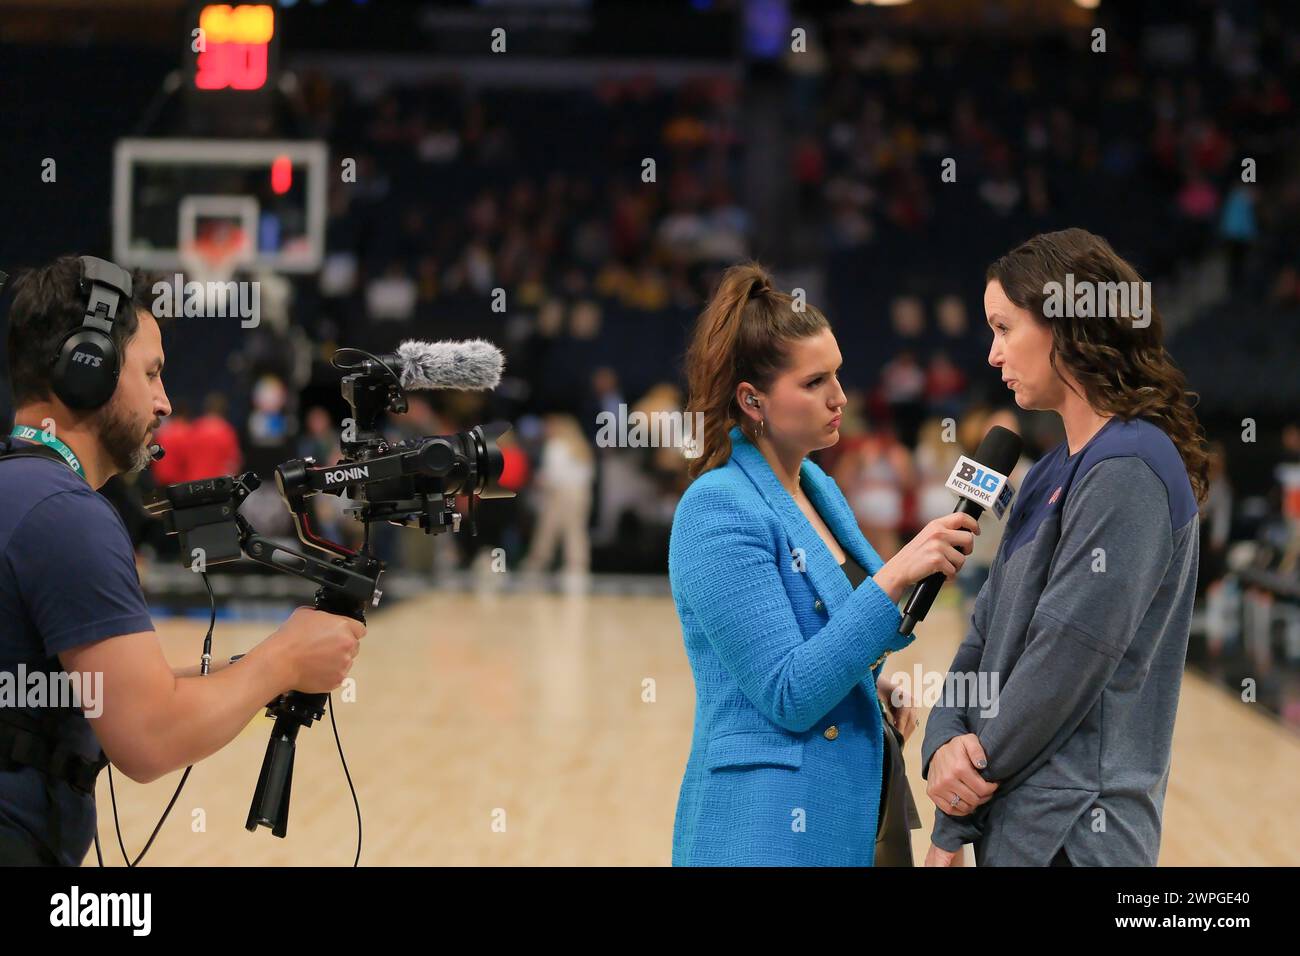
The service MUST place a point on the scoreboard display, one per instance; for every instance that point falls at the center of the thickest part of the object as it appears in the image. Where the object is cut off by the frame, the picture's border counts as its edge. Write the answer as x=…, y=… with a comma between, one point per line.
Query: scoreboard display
x=232, y=48
x=230, y=68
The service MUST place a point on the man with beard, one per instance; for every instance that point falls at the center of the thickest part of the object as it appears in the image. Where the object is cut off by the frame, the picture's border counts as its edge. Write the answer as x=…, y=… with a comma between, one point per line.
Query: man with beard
x=85, y=365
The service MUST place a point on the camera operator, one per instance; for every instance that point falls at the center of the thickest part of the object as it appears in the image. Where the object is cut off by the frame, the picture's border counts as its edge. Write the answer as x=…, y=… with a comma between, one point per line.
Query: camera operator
x=70, y=597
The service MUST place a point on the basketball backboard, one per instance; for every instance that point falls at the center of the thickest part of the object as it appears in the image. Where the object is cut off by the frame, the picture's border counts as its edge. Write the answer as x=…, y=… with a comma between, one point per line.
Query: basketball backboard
x=172, y=197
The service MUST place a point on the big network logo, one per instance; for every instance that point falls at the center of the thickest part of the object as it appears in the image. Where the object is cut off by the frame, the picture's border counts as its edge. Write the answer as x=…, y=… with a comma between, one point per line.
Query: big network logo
x=979, y=478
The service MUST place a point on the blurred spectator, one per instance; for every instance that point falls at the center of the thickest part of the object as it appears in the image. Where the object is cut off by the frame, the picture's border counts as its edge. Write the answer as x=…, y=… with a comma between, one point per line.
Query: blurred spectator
x=875, y=473
x=321, y=441
x=212, y=444
x=936, y=453
x=945, y=387
x=902, y=385
x=1239, y=231
x=392, y=295
x=604, y=396
x=1216, y=521
x=174, y=437
x=563, y=500
x=1216, y=525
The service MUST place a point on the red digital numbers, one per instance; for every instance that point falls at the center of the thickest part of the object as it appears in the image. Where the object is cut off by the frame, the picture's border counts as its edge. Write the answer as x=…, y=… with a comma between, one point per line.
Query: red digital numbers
x=234, y=48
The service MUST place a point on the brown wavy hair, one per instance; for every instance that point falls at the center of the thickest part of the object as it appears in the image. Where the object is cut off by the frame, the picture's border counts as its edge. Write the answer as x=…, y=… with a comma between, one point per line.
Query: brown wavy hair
x=1122, y=368
x=741, y=336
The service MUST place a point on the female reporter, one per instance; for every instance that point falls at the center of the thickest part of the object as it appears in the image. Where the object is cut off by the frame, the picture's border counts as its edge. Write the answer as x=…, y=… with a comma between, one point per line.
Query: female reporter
x=1081, y=629
x=787, y=612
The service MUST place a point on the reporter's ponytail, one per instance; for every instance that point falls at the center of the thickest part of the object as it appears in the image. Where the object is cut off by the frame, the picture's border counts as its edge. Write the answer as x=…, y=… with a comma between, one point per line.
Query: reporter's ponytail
x=741, y=336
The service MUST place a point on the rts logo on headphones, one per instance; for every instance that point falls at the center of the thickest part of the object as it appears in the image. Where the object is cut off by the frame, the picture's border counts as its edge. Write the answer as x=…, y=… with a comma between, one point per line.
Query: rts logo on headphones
x=85, y=358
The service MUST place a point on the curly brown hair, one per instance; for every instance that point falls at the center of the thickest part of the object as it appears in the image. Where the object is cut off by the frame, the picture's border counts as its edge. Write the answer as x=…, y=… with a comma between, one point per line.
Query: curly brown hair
x=1120, y=364
x=741, y=336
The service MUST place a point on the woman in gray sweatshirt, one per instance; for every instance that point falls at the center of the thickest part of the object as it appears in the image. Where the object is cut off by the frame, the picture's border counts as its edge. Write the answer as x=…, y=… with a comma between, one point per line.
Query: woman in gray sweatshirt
x=1051, y=743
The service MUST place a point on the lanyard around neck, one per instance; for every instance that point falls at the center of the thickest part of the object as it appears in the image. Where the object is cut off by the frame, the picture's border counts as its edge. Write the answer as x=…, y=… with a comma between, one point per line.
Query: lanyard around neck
x=28, y=433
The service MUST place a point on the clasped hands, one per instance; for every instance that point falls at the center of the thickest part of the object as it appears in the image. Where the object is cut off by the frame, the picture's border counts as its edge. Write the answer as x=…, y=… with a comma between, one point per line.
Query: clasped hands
x=956, y=787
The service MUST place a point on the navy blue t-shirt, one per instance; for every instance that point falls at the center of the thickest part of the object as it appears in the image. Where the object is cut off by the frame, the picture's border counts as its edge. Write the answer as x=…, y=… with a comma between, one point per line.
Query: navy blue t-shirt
x=67, y=578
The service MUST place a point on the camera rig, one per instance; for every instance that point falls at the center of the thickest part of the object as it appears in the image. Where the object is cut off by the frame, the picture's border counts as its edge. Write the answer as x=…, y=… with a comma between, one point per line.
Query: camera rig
x=406, y=483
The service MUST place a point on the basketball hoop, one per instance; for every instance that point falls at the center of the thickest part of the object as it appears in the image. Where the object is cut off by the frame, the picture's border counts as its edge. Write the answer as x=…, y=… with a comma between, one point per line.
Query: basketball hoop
x=216, y=236
x=215, y=253
x=210, y=257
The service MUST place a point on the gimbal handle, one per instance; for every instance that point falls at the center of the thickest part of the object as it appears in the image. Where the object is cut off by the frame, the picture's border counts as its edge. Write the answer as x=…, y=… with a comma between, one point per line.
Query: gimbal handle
x=347, y=588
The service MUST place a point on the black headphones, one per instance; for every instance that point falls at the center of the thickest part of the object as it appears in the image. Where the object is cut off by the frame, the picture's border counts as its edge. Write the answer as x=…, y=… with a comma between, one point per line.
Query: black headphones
x=85, y=369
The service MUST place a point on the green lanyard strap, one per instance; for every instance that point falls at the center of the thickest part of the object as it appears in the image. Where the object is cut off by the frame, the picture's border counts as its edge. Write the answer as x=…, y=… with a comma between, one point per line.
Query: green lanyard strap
x=28, y=433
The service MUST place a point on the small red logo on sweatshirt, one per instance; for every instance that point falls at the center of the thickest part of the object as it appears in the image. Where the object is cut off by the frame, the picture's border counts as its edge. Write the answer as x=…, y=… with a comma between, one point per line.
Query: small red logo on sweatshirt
x=1055, y=494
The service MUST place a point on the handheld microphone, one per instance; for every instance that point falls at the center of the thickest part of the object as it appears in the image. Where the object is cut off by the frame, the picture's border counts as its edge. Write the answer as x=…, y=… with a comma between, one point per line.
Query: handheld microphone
x=471, y=365
x=980, y=482
x=157, y=452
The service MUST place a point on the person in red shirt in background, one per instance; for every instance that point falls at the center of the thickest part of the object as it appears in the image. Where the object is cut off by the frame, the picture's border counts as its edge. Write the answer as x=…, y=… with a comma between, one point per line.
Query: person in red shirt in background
x=173, y=436
x=515, y=470
x=211, y=443
x=945, y=387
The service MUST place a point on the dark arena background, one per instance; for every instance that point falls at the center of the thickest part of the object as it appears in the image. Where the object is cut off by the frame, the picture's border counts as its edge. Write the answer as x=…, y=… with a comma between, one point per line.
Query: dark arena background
x=568, y=179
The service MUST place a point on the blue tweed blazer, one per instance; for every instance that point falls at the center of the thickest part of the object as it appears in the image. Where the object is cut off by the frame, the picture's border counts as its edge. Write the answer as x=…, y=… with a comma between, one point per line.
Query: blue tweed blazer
x=785, y=760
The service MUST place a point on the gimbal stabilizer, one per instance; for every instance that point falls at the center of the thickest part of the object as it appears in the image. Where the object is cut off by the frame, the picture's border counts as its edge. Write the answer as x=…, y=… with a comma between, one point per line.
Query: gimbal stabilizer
x=402, y=483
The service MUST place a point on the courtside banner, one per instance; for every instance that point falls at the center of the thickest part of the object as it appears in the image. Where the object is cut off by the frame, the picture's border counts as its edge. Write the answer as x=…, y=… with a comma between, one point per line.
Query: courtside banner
x=981, y=485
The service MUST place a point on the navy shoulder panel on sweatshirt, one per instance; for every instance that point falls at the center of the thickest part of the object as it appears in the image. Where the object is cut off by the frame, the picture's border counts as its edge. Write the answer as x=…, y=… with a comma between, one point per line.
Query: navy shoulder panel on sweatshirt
x=1049, y=481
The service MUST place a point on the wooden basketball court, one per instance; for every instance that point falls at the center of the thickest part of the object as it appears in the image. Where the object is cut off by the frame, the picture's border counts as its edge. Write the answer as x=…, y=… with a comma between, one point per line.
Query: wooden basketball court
x=542, y=729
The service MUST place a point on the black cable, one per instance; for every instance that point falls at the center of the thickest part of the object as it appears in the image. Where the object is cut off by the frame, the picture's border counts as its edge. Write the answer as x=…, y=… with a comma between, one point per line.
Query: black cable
x=207, y=650
x=365, y=543
x=355, y=802
x=334, y=361
x=175, y=796
x=117, y=824
x=212, y=623
x=203, y=669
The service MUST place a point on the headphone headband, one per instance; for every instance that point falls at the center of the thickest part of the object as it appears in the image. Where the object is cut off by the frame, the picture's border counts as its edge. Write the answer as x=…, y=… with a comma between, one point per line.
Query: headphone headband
x=105, y=284
x=87, y=364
